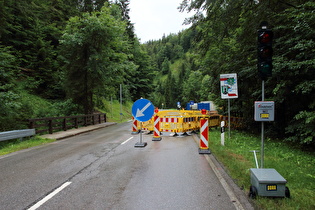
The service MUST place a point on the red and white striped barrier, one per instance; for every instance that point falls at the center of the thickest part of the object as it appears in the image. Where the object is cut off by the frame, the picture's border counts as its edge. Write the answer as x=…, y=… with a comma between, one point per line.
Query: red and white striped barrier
x=134, y=126
x=204, y=136
x=170, y=120
x=156, y=133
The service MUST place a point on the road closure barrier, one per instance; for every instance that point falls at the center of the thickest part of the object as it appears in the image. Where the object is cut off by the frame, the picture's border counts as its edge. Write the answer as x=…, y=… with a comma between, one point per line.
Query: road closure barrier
x=178, y=121
x=236, y=122
x=204, y=136
x=181, y=122
x=135, y=129
x=156, y=133
x=148, y=125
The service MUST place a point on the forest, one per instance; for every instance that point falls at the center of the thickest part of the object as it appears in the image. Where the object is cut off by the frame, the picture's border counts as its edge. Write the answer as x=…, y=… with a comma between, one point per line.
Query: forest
x=66, y=57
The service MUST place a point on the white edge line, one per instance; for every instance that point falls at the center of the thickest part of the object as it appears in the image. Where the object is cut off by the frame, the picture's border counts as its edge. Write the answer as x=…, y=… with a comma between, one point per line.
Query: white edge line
x=126, y=141
x=225, y=185
x=49, y=196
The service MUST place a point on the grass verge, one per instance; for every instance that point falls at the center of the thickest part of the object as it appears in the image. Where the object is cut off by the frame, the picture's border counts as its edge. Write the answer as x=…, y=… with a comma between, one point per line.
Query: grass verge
x=10, y=146
x=115, y=113
x=296, y=166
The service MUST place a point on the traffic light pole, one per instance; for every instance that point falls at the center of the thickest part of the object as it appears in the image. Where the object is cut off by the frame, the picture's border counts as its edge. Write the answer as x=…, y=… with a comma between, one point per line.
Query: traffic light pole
x=262, y=127
x=265, y=52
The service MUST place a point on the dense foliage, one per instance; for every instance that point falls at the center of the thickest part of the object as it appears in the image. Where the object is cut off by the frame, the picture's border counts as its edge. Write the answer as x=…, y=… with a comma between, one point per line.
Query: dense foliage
x=223, y=39
x=67, y=57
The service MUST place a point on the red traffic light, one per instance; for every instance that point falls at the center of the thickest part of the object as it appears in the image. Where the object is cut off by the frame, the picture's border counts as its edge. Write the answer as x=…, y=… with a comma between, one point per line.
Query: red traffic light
x=264, y=51
x=265, y=36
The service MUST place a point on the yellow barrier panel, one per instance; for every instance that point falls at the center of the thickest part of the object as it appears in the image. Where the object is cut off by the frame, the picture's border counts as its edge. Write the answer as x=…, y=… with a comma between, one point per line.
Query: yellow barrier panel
x=214, y=121
x=236, y=122
x=178, y=121
x=170, y=121
x=181, y=121
x=148, y=125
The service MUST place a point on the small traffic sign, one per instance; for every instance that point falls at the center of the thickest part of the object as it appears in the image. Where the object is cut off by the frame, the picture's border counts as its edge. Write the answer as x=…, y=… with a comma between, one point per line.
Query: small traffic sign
x=142, y=110
x=228, y=84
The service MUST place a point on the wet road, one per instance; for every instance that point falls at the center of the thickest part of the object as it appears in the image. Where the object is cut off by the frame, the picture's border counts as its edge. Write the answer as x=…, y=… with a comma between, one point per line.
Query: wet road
x=103, y=170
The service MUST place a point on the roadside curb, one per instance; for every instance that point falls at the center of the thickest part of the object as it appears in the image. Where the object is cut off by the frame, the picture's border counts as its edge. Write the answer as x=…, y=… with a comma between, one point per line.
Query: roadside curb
x=237, y=196
x=73, y=132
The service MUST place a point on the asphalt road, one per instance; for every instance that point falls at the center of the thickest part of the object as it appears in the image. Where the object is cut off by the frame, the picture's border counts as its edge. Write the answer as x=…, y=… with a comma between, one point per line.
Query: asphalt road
x=103, y=170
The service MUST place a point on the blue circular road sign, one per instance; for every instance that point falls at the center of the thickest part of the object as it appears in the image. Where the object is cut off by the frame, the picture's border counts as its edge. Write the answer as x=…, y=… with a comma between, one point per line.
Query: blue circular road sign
x=142, y=110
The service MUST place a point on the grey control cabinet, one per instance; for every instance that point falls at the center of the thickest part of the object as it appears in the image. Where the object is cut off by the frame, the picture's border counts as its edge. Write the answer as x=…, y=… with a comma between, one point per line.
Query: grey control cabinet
x=268, y=182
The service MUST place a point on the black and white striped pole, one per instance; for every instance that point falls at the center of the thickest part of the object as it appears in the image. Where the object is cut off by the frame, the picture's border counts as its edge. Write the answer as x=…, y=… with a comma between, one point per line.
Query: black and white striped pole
x=222, y=132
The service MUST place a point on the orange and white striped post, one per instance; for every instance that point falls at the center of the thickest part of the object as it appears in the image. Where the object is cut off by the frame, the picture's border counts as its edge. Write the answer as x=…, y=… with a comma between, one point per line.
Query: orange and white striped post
x=156, y=133
x=134, y=126
x=204, y=135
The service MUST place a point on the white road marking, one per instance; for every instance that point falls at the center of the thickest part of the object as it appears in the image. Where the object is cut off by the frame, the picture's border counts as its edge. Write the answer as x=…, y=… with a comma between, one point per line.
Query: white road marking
x=48, y=197
x=126, y=141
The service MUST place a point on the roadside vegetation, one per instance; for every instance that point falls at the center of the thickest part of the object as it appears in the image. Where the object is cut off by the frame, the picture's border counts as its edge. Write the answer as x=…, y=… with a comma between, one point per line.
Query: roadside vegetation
x=75, y=54
x=112, y=108
x=295, y=164
x=15, y=145
x=56, y=61
x=115, y=112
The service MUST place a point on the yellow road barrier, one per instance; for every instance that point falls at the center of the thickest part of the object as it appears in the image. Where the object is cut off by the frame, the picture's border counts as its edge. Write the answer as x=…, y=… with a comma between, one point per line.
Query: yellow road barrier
x=181, y=121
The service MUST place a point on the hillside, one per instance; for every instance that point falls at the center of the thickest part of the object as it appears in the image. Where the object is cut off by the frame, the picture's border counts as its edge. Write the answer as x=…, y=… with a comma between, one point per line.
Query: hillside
x=65, y=57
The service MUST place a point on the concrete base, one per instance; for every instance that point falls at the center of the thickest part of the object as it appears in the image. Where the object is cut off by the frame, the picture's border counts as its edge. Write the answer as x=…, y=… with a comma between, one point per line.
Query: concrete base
x=139, y=144
x=135, y=132
x=156, y=138
x=204, y=151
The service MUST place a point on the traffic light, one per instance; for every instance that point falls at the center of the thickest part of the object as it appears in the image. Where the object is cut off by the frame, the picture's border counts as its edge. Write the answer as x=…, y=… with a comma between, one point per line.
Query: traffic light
x=265, y=51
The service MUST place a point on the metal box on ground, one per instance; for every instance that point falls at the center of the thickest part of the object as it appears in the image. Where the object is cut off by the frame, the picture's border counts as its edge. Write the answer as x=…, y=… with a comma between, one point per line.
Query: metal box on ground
x=267, y=182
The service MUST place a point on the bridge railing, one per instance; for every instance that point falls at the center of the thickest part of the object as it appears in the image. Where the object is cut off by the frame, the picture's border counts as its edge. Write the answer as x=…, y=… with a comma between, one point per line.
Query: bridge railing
x=54, y=124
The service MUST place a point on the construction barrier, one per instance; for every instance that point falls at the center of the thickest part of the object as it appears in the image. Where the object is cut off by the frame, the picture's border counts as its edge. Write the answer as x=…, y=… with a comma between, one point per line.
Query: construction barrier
x=156, y=133
x=204, y=136
x=236, y=122
x=214, y=121
x=135, y=129
x=178, y=121
x=148, y=125
x=181, y=121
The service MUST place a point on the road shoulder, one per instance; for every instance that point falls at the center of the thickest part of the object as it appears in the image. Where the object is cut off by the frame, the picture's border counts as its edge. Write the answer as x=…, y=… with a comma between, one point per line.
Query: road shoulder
x=237, y=196
x=72, y=132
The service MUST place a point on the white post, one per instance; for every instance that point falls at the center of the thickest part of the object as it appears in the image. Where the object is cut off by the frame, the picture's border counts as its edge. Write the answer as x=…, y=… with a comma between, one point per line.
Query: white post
x=222, y=133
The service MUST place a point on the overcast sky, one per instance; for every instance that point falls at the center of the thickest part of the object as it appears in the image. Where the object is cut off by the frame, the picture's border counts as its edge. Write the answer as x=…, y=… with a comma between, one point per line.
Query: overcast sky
x=153, y=18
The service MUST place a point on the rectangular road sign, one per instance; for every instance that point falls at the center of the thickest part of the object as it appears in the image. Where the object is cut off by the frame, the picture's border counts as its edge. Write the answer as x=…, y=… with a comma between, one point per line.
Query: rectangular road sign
x=228, y=83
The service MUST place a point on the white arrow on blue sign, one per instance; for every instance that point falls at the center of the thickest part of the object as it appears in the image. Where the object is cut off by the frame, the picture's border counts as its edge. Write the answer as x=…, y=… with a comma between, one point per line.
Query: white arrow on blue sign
x=142, y=110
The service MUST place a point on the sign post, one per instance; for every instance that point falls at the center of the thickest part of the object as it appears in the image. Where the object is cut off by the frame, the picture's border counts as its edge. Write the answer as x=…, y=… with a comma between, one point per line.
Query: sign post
x=228, y=83
x=142, y=110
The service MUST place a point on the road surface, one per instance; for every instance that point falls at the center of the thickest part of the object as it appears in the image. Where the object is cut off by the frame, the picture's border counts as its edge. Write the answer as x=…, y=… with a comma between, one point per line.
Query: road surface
x=103, y=170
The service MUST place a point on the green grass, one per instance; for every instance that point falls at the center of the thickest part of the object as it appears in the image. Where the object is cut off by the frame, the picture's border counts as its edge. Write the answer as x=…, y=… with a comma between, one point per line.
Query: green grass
x=10, y=146
x=114, y=113
x=296, y=166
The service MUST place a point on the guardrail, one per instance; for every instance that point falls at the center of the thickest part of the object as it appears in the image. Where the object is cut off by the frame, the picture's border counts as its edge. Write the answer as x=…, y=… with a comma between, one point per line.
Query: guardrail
x=53, y=124
x=16, y=134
